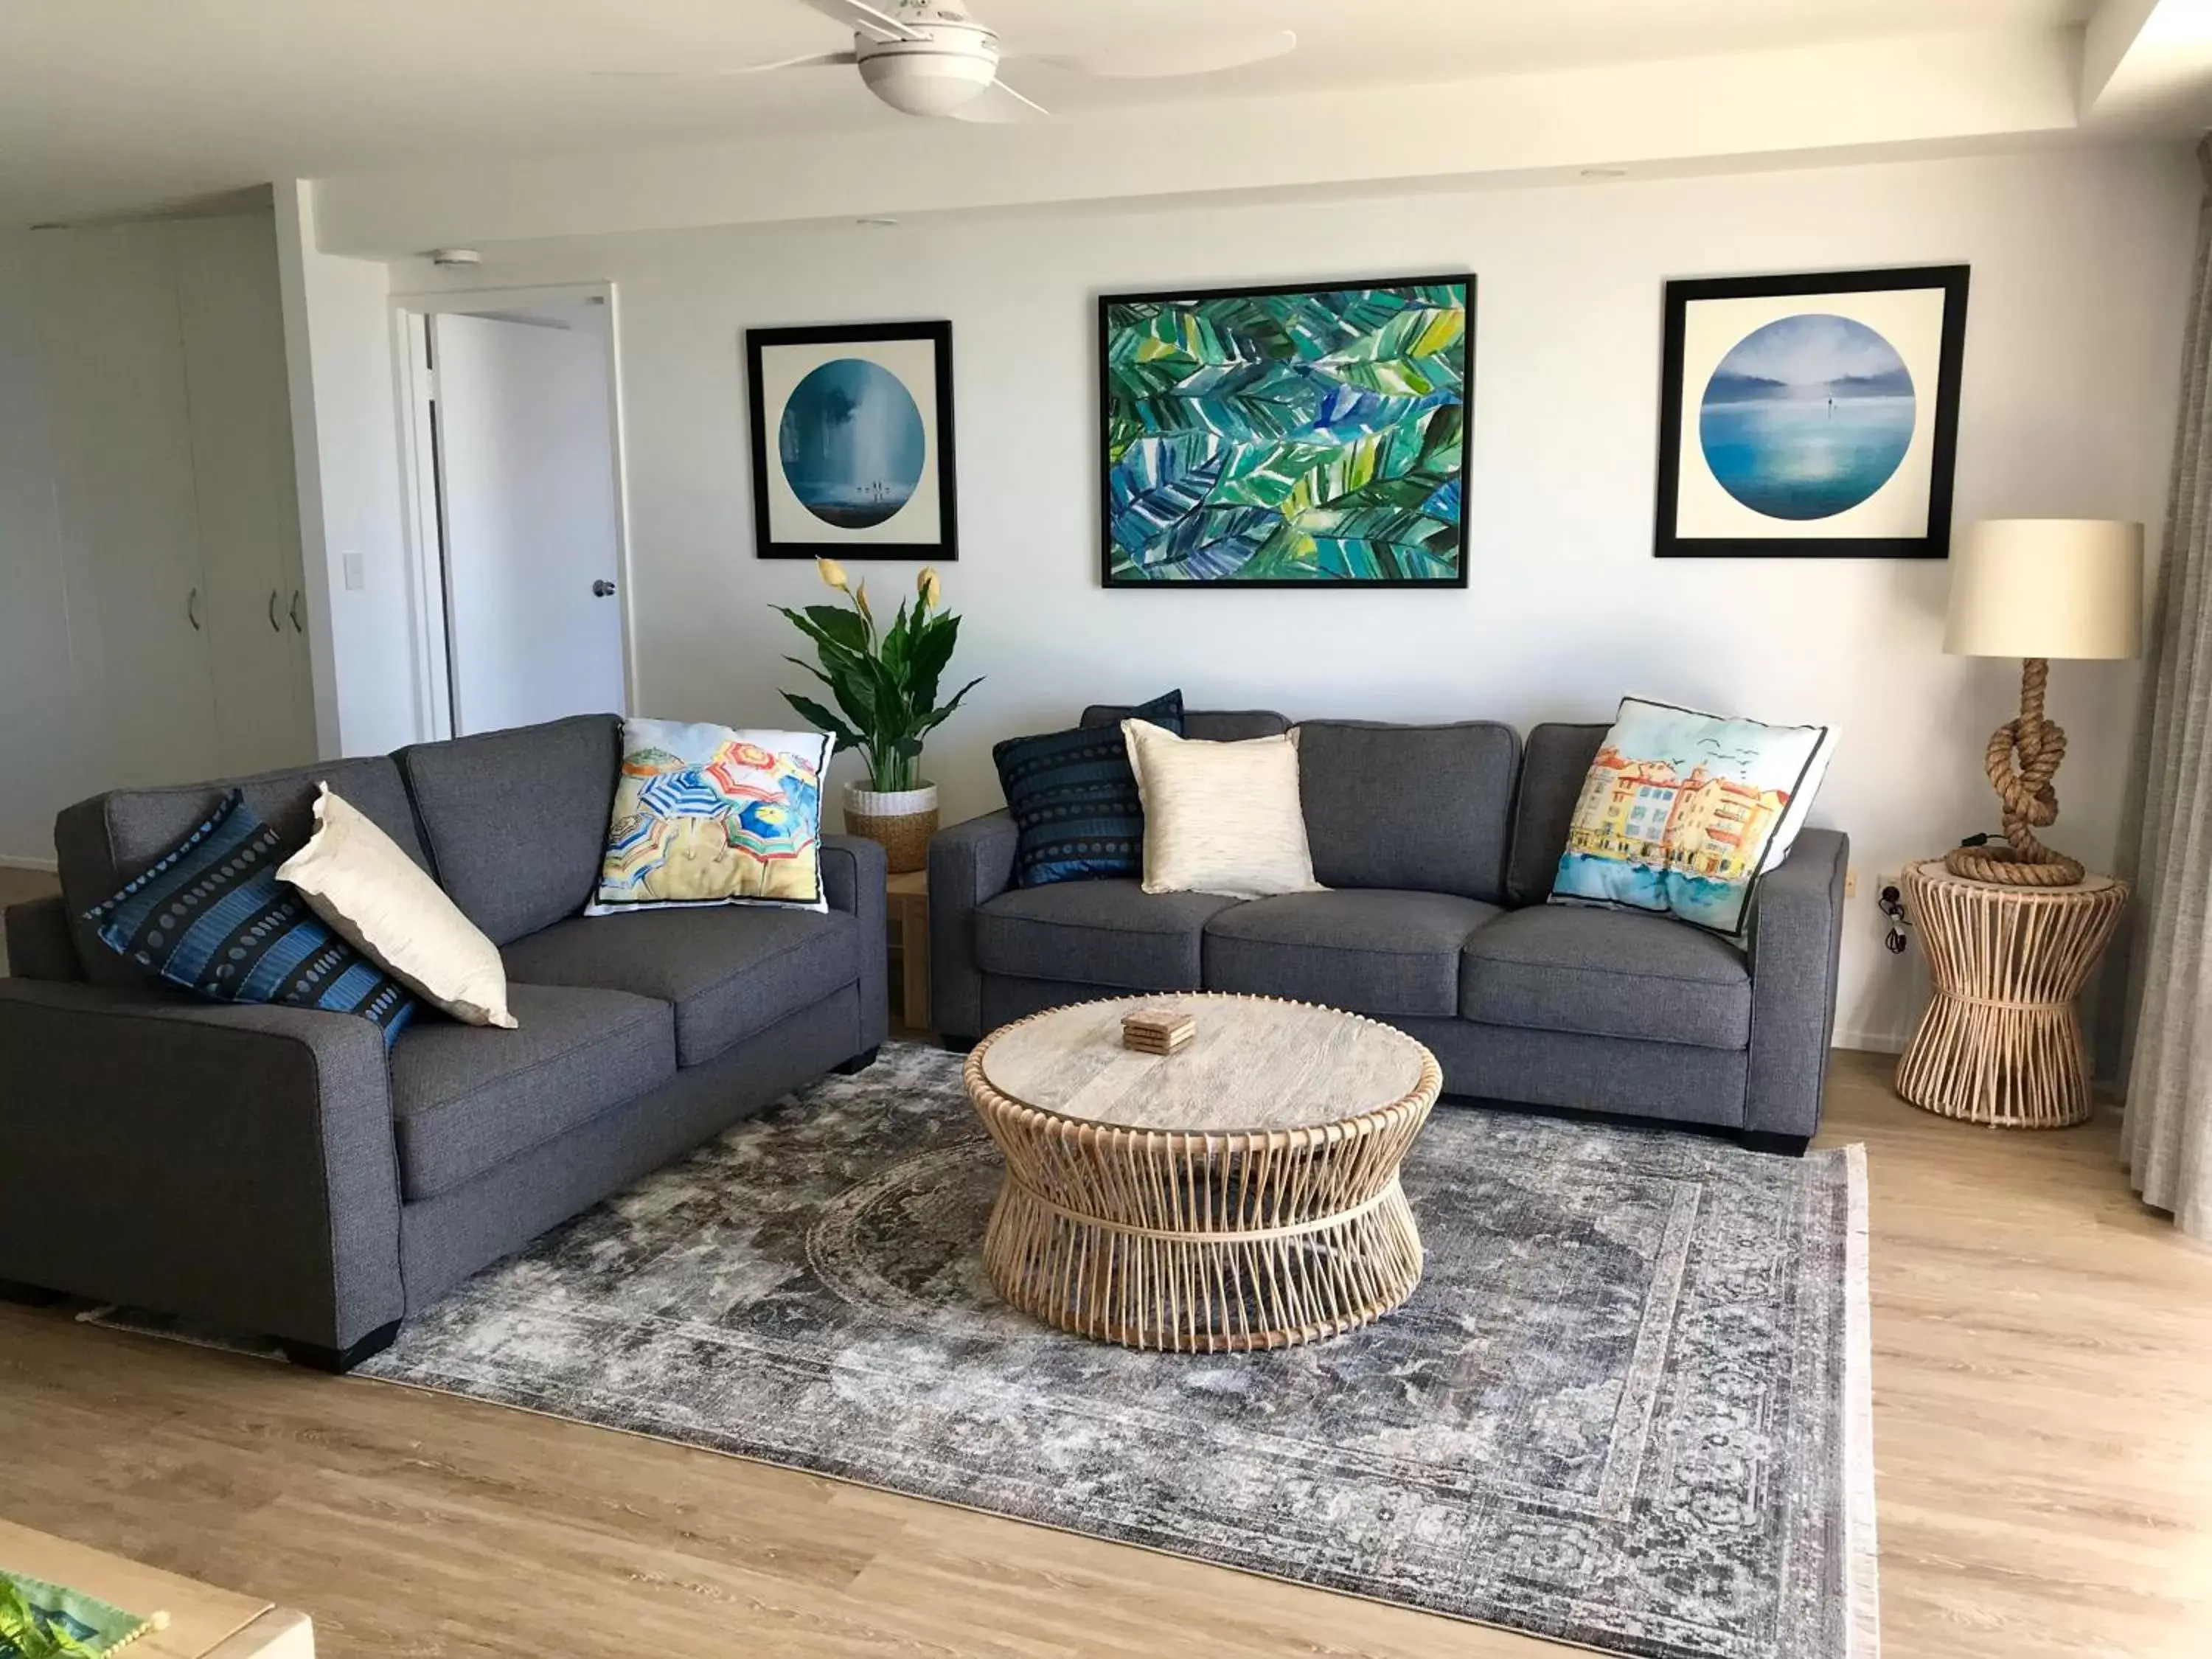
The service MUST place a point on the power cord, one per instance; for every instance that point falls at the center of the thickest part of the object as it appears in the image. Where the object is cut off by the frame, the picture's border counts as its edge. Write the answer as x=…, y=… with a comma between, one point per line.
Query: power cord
x=1899, y=935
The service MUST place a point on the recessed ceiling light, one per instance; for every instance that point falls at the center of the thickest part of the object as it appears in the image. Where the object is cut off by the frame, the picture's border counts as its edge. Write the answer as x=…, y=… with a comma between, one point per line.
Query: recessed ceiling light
x=878, y=220
x=1605, y=173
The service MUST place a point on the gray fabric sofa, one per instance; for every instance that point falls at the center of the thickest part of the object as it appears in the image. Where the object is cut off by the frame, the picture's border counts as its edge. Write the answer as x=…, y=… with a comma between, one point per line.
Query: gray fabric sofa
x=272, y=1170
x=1437, y=844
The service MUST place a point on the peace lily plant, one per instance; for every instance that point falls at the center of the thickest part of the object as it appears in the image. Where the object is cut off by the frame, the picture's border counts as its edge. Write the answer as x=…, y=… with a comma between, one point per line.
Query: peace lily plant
x=884, y=683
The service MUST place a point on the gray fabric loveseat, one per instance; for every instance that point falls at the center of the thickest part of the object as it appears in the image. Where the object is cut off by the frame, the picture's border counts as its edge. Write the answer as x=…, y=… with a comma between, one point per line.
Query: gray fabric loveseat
x=1438, y=844
x=274, y=1170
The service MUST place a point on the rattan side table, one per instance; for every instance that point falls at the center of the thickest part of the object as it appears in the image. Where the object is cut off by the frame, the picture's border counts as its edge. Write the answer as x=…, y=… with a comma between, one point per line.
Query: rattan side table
x=2000, y=1040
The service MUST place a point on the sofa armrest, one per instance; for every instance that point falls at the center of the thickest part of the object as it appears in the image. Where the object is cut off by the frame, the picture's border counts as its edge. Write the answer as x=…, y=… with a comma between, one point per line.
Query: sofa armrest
x=969, y=863
x=853, y=874
x=39, y=943
x=230, y=1163
x=1796, y=935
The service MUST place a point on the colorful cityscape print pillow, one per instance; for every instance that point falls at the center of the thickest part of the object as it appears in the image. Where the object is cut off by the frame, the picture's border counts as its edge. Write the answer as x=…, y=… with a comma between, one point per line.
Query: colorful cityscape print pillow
x=705, y=815
x=1682, y=812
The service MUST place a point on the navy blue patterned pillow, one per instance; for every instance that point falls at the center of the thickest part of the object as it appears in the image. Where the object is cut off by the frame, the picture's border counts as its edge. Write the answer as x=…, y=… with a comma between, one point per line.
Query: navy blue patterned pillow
x=1074, y=799
x=211, y=916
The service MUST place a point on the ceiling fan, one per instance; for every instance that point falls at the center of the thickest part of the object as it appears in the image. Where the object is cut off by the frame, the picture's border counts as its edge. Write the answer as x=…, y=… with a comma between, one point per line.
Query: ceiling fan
x=932, y=58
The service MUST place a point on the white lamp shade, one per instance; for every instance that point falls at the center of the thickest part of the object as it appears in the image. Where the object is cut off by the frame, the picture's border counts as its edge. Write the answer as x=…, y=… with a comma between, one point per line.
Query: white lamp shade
x=2046, y=588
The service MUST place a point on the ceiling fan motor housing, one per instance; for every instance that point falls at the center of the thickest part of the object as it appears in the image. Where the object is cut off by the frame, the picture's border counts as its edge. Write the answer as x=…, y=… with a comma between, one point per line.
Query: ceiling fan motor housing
x=955, y=65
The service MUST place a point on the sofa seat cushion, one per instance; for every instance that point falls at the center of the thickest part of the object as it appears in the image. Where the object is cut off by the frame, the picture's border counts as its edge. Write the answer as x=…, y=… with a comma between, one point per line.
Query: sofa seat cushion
x=1369, y=949
x=465, y=1098
x=1608, y=973
x=730, y=971
x=1098, y=932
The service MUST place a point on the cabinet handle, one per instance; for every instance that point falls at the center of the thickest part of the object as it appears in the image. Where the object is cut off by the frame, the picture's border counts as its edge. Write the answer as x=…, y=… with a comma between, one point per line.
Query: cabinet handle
x=298, y=626
x=275, y=625
x=192, y=609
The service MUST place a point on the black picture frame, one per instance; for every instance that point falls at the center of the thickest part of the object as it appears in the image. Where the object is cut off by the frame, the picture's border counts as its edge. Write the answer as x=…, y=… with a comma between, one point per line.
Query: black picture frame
x=1107, y=580
x=946, y=546
x=1934, y=543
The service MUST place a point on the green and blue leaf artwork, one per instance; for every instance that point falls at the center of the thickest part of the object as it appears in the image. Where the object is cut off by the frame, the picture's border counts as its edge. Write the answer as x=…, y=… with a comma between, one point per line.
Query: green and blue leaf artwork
x=1287, y=436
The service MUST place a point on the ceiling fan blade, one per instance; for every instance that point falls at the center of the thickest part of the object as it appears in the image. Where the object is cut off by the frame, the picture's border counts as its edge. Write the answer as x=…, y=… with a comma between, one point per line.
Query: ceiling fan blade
x=998, y=106
x=1176, y=56
x=858, y=14
x=810, y=61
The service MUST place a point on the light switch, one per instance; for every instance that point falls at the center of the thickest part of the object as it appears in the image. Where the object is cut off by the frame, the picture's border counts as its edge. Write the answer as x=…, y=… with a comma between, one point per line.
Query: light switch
x=355, y=577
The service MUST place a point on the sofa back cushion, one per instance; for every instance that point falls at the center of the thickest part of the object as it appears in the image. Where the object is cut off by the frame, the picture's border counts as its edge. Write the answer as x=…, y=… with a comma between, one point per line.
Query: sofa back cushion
x=1558, y=760
x=516, y=821
x=113, y=839
x=1211, y=726
x=1425, y=807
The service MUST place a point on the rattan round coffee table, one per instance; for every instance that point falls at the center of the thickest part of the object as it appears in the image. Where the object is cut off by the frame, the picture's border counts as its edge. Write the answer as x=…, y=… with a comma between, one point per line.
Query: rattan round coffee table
x=1241, y=1192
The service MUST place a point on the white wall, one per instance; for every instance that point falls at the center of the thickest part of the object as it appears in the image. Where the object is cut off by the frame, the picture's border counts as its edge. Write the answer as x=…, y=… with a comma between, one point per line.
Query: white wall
x=339, y=339
x=2079, y=260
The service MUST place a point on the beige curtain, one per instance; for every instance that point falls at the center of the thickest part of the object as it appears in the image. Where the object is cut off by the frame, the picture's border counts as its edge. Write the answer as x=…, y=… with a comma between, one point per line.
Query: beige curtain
x=2167, y=1141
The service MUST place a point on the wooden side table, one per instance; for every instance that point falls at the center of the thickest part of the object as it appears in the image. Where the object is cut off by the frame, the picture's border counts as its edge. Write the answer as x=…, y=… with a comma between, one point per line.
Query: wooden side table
x=906, y=905
x=205, y=1623
x=2001, y=1041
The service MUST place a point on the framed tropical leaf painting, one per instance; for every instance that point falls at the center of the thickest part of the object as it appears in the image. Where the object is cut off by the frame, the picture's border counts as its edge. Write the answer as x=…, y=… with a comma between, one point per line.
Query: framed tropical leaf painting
x=1294, y=436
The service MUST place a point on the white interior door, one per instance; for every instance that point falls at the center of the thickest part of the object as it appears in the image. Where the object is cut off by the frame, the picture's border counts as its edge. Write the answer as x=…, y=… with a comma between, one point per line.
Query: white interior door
x=527, y=486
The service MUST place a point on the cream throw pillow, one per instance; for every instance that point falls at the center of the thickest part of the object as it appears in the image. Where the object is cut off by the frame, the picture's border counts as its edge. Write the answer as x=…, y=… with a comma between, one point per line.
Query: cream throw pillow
x=355, y=876
x=1220, y=817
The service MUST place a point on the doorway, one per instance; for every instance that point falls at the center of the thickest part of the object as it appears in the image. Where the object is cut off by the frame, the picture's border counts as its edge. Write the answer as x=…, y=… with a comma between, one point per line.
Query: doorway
x=515, y=465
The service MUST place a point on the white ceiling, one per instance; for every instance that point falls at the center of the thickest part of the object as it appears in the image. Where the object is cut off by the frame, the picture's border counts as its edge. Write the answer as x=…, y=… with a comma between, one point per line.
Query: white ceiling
x=111, y=106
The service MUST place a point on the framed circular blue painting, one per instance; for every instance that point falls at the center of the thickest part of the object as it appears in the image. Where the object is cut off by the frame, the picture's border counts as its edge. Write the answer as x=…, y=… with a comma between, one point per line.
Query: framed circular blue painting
x=1811, y=415
x=851, y=441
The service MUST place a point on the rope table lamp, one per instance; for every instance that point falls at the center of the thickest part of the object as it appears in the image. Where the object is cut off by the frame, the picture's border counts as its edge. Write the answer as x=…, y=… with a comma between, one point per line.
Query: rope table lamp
x=2035, y=589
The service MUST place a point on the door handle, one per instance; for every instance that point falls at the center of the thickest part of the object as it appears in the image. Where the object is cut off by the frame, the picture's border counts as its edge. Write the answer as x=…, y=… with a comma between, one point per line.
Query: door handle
x=192, y=609
x=603, y=589
x=298, y=626
x=274, y=626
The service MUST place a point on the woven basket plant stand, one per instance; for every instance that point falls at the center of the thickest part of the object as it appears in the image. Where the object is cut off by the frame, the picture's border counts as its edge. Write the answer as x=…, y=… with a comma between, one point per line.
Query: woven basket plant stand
x=2000, y=1040
x=1241, y=1192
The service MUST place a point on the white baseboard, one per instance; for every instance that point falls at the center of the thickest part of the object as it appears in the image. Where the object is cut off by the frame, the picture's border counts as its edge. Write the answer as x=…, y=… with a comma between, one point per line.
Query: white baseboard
x=11, y=861
x=1873, y=1043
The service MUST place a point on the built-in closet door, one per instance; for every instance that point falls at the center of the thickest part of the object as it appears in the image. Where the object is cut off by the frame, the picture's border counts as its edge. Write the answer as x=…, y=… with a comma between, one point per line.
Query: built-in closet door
x=139, y=610
x=230, y=324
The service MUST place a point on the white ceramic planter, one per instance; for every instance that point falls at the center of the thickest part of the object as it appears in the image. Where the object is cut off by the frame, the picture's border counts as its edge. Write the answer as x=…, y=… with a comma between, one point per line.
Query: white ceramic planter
x=901, y=820
x=891, y=803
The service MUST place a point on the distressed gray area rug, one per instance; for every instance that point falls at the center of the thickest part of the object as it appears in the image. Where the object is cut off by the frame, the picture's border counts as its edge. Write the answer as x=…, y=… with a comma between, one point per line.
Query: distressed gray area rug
x=1627, y=1408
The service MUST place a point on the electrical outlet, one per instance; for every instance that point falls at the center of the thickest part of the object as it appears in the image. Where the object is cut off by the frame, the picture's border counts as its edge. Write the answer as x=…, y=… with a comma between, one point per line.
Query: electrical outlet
x=1850, y=882
x=1889, y=886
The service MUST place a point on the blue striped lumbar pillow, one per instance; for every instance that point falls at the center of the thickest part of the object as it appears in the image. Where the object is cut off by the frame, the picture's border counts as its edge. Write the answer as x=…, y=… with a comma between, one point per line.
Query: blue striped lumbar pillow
x=211, y=916
x=1074, y=799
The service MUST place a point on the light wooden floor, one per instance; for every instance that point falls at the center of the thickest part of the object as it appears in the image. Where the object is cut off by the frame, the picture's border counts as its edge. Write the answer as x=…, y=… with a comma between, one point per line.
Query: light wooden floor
x=2043, y=1392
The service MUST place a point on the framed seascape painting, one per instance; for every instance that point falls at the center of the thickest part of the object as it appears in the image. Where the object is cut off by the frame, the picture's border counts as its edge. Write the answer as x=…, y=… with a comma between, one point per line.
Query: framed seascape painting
x=1304, y=435
x=1811, y=415
x=851, y=441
